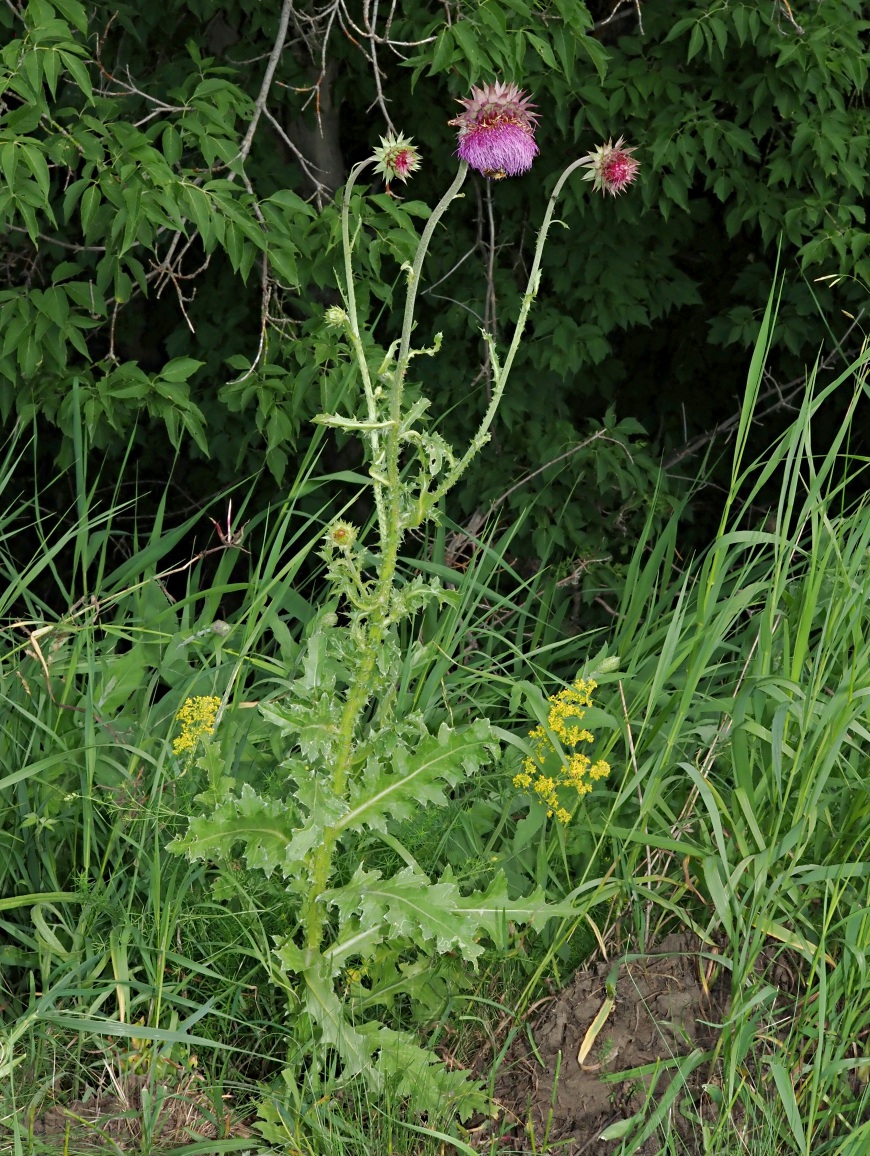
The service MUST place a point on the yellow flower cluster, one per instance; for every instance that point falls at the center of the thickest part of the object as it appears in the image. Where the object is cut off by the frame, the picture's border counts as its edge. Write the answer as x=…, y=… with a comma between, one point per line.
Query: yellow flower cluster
x=197, y=717
x=547, y=769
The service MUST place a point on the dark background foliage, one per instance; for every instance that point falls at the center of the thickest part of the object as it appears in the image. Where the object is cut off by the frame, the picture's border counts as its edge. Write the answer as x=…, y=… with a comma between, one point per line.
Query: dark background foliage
x=165, y=273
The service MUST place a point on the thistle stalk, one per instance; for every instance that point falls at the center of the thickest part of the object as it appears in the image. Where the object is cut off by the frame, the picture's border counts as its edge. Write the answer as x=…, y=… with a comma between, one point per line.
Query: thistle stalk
x=502, y=372
x=352, y=327
x=497, y=133
x=388, y=501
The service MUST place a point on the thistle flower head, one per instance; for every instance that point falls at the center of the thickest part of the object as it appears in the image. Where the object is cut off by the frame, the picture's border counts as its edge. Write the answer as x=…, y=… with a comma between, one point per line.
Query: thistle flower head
x=611, y=167
x=335, y=317
x=397, y=158
x=341, y=536
x=497, y=131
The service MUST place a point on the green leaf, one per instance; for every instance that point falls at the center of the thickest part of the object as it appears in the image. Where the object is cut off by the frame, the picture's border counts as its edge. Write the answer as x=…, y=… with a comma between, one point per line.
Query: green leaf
x=467, y=41
x=543, y=50
x=417, y=777
x=328, y=1011
x=35, y=161
x=90, y=204
x=283, y=261
x=443, y=54
x=79, y=73
x=180, y=368
x=9, y=161
x=417, y=1074
x=696, y=42
x=172, y=146
x=313, y=724
x=264, y=826
x=493, y=908
x=412, y=907
x=74, y=12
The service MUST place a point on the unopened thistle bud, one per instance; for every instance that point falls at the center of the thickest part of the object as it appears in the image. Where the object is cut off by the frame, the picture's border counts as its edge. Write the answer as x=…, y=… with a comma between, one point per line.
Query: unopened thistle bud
x=341, y=536
x=335, y=317
x=611, y=167
x=497, y=131
x=397, y=157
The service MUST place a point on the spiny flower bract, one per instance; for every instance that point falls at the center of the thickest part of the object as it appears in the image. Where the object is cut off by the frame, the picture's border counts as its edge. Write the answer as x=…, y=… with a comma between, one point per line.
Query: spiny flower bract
x=547, y=769
x=341, y=536
x=397, y=157
x=497, y=130
x=611, y=167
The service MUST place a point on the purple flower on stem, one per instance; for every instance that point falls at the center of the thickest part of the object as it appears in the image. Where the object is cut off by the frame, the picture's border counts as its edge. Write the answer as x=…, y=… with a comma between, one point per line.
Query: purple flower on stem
x=397, y=157
x=497, y=131
x=611, y=167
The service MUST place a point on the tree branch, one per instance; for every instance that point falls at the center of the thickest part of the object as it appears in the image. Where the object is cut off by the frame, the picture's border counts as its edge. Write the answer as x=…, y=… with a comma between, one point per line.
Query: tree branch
x=269, y=75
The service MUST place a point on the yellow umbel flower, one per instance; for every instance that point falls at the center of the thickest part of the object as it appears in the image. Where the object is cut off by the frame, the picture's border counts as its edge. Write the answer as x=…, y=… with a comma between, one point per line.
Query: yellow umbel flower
x=549, y=768
x=197, y=717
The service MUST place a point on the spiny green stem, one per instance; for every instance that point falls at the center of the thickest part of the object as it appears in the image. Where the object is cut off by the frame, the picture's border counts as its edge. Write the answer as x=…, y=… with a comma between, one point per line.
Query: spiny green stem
x=388, y=495
x=503, y=372
x=417, y=268
x=353, y=320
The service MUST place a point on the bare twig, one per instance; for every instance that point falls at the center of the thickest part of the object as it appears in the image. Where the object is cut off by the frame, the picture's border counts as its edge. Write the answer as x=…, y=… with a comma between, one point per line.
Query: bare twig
x=304, y=164
x=260, y=105
x=73, y=248
x=370, y=15
x=616, y=14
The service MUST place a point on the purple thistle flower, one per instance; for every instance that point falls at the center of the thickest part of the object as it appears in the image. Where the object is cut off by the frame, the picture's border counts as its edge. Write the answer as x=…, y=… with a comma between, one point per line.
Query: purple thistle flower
x=497, y=131
x=611, y=167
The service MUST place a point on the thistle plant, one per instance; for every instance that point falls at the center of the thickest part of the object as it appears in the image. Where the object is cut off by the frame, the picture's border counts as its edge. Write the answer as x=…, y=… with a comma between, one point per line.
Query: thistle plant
x=356, y=764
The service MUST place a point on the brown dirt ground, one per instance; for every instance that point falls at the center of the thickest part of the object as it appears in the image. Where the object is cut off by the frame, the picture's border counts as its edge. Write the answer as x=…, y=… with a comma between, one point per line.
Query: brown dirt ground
x=111, y=1118
x=665, y=1004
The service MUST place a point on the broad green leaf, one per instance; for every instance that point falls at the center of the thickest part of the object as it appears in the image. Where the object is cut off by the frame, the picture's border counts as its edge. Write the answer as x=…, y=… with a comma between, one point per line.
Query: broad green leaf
x=418, y=777
x=543, y=49
x=180, y=368
x=411, y=906
x=265, y=827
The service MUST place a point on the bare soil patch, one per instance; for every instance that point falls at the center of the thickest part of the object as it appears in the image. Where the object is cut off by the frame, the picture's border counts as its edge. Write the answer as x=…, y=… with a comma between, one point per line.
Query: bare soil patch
x=654, y=1014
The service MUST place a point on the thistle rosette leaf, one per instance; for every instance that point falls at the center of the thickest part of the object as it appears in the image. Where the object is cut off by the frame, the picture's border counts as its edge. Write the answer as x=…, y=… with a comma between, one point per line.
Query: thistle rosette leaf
x=417, y=1074
x=266, y=827
x=493, y=908
x=411, y=907
x=417, y=777
x=371, y=1050
x=328, y=1012
x=497, y=131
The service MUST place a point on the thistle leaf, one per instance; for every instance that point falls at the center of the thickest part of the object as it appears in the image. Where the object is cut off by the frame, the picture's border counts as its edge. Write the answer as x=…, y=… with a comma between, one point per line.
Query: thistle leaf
x=327, y=1011
x=417, y=1074
x=313, y=724
x=492, y=908
x=411, y=906
x=417, y=777
x=265, y=826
